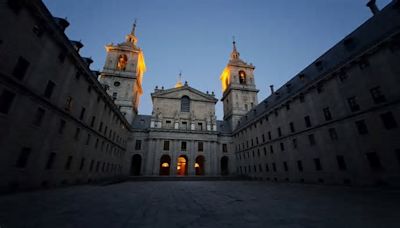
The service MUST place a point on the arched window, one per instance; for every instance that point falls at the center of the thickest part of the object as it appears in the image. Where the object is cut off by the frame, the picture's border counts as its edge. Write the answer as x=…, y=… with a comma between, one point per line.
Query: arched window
x=185, y=104
x=122, y=61
x=242, y=77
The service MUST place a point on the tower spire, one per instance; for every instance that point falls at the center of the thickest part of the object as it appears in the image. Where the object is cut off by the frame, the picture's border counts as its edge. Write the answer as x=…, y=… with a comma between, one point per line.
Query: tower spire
x=134, y=27
x=179, y=82
x=235, y=54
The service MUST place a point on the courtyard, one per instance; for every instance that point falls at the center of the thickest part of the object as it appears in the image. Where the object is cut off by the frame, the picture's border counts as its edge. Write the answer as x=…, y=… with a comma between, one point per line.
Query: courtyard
x=202, y=204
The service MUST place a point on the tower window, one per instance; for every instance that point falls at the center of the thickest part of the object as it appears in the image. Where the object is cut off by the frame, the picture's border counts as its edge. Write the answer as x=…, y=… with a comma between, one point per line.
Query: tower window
x=122, y=61
x=116, y=84
x=185, y=104
x=242, y=77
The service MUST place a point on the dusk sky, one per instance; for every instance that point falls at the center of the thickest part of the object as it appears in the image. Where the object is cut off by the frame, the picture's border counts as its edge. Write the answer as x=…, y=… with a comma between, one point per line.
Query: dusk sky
x=279, y=37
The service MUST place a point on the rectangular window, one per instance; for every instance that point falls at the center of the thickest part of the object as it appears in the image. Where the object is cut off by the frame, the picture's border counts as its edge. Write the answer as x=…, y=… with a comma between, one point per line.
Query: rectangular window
x=82, y=115
x=200, y=146
x=38, y=117
x=49, y=89
x=341, y=163
x=6, y=100
x=353, y=104
x=23, y=157
x=82, y=164
x=50, y=160
x=282, y=146
x=332, y=134
x=271, y=149
x=183, y=146
x=294, y=142
x=61, y=126
x=68, y=104
x=91, y=165
x=88, y=139
x=224, y=147
x=184, y=125
x=166, y=145
x=114, y=96
x=327, y=114
x=101, y=126
x=269, y=135
x=388, y=120
x=374, y=161
x=311, y=139
x=77, y=133
x=266, y=167
x=20, y=68
x=68, y=163
x=361, y=127
x=200, y=126
x=279, y=132
x=291, y=125
x=307, y=120
x=317, y=164
x=285, y=166
x=92, y=122
x=274, y=167
x=377, y=95
x=263, y=137
x=300, y=166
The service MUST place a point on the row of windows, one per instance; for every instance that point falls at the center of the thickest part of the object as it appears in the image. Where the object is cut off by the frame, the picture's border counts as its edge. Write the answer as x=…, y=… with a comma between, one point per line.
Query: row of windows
x=19, y=72
x=94, y=166
x=372, y=159
x=7, y=98
x=376, y=94
x=387, y=118
x=166, y=146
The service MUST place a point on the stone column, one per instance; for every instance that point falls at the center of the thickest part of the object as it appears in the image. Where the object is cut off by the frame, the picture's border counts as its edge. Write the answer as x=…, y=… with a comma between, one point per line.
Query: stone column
x=191, y=158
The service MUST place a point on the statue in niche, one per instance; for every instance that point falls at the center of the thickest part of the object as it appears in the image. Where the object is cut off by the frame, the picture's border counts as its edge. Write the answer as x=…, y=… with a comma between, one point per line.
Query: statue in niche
x=122, y=61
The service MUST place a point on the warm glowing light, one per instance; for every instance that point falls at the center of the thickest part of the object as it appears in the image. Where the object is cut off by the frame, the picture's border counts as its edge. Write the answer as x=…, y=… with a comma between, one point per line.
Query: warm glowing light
x=178, y=168
x=225, y=78
x=196, y=165
x=178, y=84
x=141, y=68
x=165, y=165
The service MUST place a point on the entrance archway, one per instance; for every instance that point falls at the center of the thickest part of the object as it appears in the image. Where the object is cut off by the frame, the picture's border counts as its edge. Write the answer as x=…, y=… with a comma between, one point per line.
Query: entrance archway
x=224, y=165
x=199, y=165
x=136, y=165
x=165, y=165
x=182, y=165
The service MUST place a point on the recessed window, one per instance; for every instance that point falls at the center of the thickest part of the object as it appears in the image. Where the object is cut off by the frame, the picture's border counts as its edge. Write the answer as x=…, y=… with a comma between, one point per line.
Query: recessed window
x=68, y=104
x=185, y=104
x=117, y=84
x=307, y=121
x=69, y=163
x=285, y=166
x=183, y=146
x=377, y=95
x=82, y=115
x=122, y=62
x=6, y=100
x=20, y=68
x=333, y=134
x=23, y=157
x=50, y=160
x=388, y=120
x=374, y=161
x=341, y=163
x=299, y=166
x=311, y=139
x=352, y=101
x=294, y=143
x=49, y=89
x=317, y=164
x=224, y=148
x=361, y=127
x=77, y=133
x=38, y=117
x=200, y=146
x=242, y=77
x=291, y=125
x=166, y=145
x=327, y=114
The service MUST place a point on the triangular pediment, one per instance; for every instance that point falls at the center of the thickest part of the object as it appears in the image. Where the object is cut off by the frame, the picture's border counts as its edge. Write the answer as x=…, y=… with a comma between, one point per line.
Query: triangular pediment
x=178, y=93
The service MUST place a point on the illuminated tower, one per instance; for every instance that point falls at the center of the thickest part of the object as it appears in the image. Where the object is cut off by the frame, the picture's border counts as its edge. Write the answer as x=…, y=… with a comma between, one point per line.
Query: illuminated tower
x=122, y=74
x=238, y=87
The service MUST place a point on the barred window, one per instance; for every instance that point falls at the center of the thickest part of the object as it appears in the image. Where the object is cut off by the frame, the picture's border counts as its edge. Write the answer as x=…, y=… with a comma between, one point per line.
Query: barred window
x=185, y=104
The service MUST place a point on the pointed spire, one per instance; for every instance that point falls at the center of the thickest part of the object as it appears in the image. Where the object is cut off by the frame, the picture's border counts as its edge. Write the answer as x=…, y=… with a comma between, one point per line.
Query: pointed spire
x=179, y=82
x=235, y=54
x=134, y=27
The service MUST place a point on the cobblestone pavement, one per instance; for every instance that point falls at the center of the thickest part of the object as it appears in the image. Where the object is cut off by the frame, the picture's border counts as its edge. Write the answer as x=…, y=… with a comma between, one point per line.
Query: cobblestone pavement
x=202, y=204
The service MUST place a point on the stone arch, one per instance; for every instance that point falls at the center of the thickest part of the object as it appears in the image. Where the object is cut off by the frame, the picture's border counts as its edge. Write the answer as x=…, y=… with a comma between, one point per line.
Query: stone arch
x=122, y=62
x=199, y=165
x=165, y=165
x=224, y=165
x=242, y=77
x=182, y=165
x=136, y=165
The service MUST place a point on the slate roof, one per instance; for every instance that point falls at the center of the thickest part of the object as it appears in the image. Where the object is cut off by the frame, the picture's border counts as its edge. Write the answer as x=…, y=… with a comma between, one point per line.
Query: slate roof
x=374, y=30
x=141, y=122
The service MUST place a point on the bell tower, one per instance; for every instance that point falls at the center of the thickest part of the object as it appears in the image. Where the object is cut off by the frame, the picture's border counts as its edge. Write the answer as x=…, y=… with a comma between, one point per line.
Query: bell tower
x=122, y=74
x=239, y=93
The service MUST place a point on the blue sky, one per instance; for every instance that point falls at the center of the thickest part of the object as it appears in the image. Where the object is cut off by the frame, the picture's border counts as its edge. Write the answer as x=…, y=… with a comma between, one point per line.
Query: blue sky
x=280, y=37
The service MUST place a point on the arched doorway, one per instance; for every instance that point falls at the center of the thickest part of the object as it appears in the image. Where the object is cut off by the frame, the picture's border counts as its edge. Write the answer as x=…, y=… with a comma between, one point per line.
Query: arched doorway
x=182, y=165
x=165, y=165
x=199, y=165
x=224, y=165
x=136, y=165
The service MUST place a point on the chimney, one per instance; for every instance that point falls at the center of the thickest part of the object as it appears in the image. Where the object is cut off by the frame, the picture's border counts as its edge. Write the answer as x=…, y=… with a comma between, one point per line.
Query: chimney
x=272, y=89
x=372, y=6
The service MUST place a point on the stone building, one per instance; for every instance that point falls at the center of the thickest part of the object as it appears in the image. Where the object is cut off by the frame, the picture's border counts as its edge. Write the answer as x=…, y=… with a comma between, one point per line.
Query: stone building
x=337, y=121
x=58, y=125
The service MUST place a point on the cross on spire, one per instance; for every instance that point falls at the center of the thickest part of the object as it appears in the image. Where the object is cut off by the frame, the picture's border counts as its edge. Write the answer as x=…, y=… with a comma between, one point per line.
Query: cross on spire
x=134, y=27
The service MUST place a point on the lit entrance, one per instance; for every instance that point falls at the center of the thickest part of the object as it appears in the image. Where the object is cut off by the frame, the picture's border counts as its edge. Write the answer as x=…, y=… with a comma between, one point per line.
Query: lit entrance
x=224, y=165
x=165, y=165
x=182, y=166
x=136, y=165
x=199, y=165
